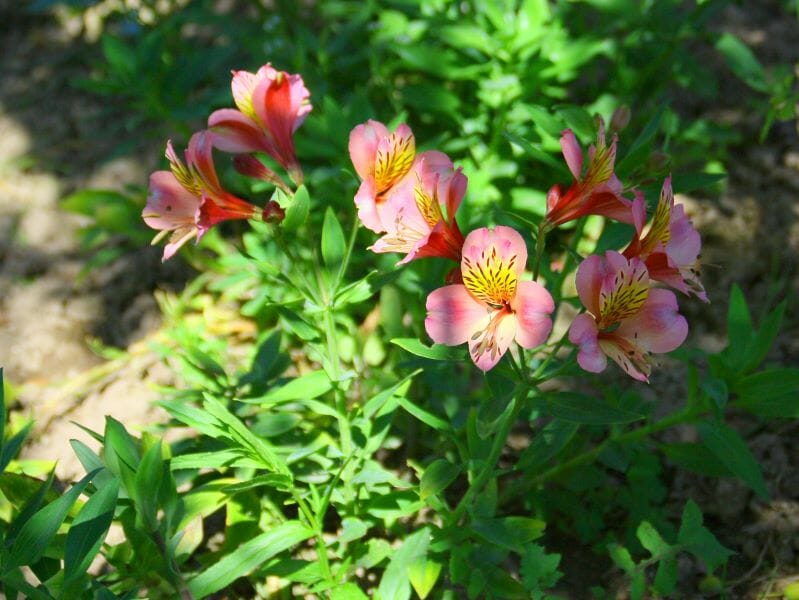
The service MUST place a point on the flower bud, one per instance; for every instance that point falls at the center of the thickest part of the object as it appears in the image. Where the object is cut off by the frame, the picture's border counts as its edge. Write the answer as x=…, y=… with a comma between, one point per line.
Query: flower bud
x=620, y=118
x=273, y=213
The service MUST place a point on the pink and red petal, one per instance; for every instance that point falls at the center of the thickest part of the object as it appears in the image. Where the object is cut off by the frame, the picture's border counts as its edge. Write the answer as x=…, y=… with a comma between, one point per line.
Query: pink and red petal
x=533, y=306
x=453, y=316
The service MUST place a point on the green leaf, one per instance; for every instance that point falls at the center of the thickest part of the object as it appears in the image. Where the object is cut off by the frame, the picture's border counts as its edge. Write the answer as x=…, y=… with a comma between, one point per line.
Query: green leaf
x=248, y=556
x=306, y=387
x=578, y=408
x=733, y=452
x=698, y=540
x=743, y=62
x=297, y=210
x=87, y=531
x=424, y=416
x=334, y=245
x=435, y=352
x=423, y=573
x=277, y=481
x=696, y=458
x=770, y=394
x=639, y=148
x=148, y=481
x=12, y=446
x=511, y=532
x=547, y=444
x=764, y=338
x=739, y=329
x=352, y=529
x=666, y=577
x=651, y=539
x=684, y=183
x=395, y=583
x=539, y=570
x=37, y=533
x=437, y=477
x=347, y=591
x=622, y=558
x=238, y=433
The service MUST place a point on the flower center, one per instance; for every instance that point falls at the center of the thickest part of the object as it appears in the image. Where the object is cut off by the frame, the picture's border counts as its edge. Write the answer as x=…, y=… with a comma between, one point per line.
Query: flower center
x=490, y=279
x=625, y=297
x=394, y=162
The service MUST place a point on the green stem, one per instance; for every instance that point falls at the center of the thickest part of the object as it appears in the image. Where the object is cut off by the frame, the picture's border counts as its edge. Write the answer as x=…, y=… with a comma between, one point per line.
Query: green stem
x=321, y=546
x=540, y=241
x=341, y=400
x=499, y=443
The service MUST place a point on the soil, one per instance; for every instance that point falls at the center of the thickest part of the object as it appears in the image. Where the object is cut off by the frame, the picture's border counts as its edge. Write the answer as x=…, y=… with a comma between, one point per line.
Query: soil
x=57, y=139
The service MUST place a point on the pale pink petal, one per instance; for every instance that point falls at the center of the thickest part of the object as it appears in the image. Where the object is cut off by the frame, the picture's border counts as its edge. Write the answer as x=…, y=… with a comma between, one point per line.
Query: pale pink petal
x=684, y=244
x=628, y=356
x=572, y=152
x=533, y=305
x=583, y=333
x=455, y=193
x=453, y=316
x=367, y=209
x=509, y=245
x=657, y=327
x=242, y=85
x=486, y=356
x=300, y=100
x=236, y=133
x=590, y=274
x=177, y=239
x=169, y=204
x=363, y=146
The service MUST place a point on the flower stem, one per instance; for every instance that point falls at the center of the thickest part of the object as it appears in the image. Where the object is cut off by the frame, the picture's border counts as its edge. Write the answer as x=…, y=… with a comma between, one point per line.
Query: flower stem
x=499, y=443
x=540, y=241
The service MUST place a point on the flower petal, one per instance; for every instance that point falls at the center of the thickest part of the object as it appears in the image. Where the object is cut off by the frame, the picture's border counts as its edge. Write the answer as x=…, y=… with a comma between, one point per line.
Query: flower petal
x=657, y=327
x=169, y=204
x=363, y=146
x=533, y=305
x=590, y=274
x=367, y=209
x=453, y=316
x=234, y=132
x=583, y=333
x=572, y=152
x=487, y=349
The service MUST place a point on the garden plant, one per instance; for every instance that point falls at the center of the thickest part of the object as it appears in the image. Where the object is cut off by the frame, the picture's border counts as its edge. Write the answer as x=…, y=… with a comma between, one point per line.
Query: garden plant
x=437, y=332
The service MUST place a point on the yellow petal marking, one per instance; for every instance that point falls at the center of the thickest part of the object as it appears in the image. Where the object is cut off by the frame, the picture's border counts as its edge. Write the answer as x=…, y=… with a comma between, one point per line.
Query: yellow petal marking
x=490, y=280
x=393, y=164
x=630, y=291
x=428, y=206
x=659, y=229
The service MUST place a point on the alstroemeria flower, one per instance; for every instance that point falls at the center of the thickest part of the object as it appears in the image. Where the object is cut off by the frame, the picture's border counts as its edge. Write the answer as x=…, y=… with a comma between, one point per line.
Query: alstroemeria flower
x=670, y=249
x=413, y=217
x=626, y=319
x=188, y=200
x=271, y=106
x=597, y=192
x=382, y=160
x=492, y=307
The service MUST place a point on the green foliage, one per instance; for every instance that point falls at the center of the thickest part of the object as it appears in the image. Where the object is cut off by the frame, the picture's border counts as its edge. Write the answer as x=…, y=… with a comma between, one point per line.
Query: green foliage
x=317, y=444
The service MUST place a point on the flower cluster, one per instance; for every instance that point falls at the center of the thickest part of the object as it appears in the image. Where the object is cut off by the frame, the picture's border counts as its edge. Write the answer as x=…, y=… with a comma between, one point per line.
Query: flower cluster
x=411, y=199
x=189, y=200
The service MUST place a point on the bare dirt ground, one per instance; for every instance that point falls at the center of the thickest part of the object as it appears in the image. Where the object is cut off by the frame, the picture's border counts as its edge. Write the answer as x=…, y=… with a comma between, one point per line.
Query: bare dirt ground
x=56, y=139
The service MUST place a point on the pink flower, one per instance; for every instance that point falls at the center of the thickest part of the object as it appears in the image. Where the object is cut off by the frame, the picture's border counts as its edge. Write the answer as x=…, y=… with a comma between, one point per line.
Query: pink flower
x=413, y=217
x=671, y=247
x=492, y=307
x=626, y=320
x=382, y=160
x=271, y=106
x=188, y=200
x=598, y=192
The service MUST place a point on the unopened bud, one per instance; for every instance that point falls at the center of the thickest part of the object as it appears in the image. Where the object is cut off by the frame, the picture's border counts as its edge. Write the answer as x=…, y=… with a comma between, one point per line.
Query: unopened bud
x=273, y=213
x=658, y=161
x=620, y=118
